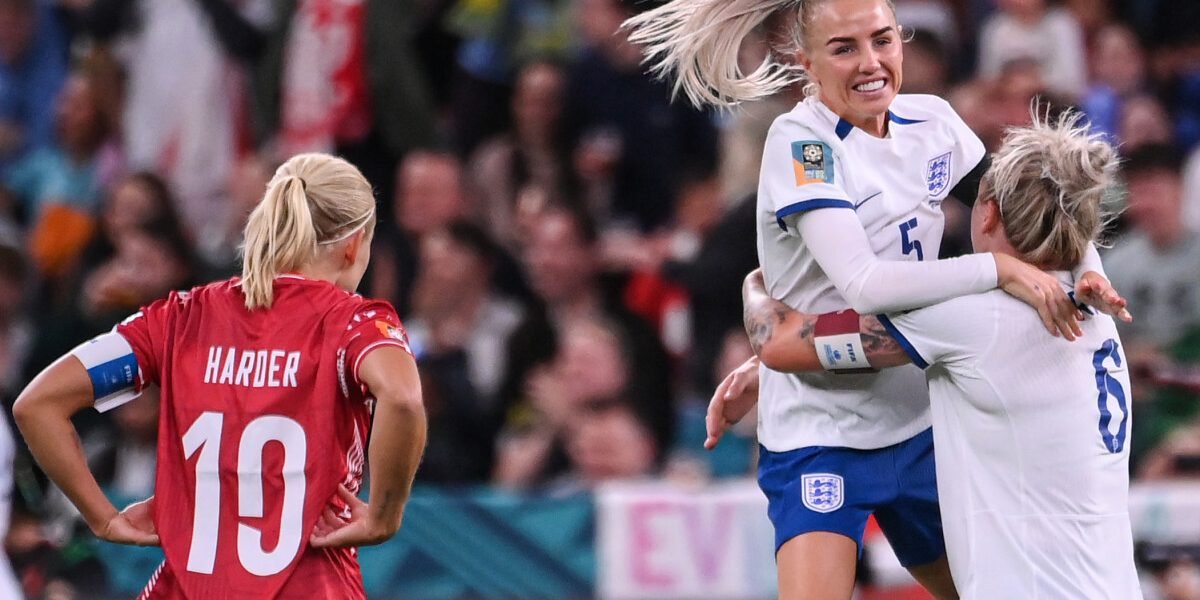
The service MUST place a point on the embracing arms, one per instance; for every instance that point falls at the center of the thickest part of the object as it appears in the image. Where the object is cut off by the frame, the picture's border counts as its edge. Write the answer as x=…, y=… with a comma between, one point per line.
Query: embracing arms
x=783, y=339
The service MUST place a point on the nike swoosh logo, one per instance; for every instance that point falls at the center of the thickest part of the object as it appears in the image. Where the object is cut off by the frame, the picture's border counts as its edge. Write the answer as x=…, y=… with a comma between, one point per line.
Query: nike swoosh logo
x=867, y=199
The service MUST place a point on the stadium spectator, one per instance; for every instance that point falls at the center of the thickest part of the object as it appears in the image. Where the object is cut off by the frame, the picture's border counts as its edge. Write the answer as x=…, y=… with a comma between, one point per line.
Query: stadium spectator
x=973, y=101
x=186, y=97
x=497, y=38
x=937, y=18
x=343, y=76
x=632, y=147
x=430, y=194
x=564, y=272
x=1155, y=264
x=33, y=68
x=1170, y=379
x=1178, y=457
x=60, y=186
x=1176, y=60
x=585, y=412
x=710, y=279
x=147, y=264
x=926, y=64
x=737, y=454
x=123, y=458
x=528, y=154
x=137, y=205
x=1118, y=72
x=1032, y=30
x=610, y=442
x=1143, y=122
x=1180, y=579
x=219, y=249
x=593, y=370
x=1092, y=15
x=459, y=331
x=52, y=568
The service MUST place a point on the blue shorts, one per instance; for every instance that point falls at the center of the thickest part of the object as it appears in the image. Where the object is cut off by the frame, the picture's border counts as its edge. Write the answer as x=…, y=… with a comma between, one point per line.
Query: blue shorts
x=821, y=488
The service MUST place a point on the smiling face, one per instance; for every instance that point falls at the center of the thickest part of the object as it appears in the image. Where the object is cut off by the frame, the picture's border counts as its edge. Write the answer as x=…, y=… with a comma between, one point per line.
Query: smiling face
x=853, y=50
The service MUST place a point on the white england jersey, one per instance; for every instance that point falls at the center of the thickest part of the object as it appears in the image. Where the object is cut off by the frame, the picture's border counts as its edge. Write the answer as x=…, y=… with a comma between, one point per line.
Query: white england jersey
x=1031, y=440
x=894, y=186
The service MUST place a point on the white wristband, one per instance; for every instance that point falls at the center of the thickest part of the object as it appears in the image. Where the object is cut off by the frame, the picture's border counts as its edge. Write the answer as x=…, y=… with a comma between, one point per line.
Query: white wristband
x=839, y=343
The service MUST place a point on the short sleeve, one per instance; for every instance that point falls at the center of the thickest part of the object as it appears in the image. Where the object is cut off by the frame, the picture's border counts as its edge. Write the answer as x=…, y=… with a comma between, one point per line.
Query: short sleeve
x=946, y=332
x=145, y=332
x=800, y=172
x=373, y=325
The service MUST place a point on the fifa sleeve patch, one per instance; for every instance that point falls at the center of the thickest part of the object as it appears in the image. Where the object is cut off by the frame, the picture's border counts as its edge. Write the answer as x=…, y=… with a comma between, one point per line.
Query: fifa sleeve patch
x=812, y=161
x=113, y=368
x=391, y=332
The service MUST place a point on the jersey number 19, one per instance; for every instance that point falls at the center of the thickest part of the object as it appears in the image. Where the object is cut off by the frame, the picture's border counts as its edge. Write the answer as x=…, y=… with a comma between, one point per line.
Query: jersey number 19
x=204, y=436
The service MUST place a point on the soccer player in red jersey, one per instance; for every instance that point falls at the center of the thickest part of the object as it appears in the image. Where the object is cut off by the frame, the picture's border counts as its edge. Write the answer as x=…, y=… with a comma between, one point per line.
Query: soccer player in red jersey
x=276, y=387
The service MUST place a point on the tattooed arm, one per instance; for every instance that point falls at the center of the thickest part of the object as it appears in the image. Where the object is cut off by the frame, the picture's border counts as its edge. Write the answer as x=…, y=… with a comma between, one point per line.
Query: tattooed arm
x=783, y=337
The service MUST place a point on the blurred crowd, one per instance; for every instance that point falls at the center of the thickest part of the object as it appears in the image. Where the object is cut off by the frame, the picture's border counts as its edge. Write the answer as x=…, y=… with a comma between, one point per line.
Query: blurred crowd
x=565, y=244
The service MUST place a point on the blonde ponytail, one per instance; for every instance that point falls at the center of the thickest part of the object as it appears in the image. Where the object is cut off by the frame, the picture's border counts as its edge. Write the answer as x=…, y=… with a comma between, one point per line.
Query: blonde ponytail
x=696, y=43
x=313, y=201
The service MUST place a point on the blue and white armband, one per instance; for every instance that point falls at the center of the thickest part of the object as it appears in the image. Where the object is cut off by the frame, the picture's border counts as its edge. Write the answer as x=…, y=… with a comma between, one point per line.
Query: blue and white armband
x=113, y=368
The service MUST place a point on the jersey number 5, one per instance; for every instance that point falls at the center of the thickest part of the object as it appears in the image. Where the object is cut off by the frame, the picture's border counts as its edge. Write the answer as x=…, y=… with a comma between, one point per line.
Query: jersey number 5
x=205, y=436
x=1108, y=386
x=909, y=246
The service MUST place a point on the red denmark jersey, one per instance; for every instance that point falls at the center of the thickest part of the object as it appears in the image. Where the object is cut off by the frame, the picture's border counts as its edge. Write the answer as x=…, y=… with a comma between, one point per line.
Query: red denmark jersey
x=262, y=416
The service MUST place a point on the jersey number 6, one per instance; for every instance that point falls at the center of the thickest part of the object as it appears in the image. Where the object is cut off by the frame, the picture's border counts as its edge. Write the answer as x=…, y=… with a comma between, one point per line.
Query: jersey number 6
x=909, y=246
x=205, y=436
x=1109, y=386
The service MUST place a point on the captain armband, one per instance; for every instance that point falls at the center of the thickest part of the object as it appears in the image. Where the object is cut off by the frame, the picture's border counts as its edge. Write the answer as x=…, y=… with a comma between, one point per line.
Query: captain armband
x=113, y=369
x=839, y=343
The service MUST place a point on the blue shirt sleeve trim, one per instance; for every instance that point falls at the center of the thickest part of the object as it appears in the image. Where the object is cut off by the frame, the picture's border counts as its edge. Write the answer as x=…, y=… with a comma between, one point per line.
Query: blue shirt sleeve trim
x=897, y=119
x=807, y=205
x=907, y=346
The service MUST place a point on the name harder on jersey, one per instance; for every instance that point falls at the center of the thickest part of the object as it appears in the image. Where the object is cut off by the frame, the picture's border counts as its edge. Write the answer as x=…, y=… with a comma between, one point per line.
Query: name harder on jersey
x=251, y=368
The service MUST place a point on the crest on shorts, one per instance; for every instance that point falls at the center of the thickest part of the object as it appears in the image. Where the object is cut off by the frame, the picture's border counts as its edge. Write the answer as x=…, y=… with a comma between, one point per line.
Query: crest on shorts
x=813, y=162
x=937, y=174
x=821, y=492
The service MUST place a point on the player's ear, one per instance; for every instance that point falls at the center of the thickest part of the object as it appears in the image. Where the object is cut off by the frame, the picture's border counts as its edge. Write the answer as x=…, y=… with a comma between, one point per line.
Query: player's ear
x=354, y=245
x=804, y=61
x=991, y=214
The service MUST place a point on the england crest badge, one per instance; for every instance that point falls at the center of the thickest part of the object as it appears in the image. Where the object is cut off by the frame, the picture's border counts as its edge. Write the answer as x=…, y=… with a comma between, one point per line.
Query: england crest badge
x=821, y=492
x=937, y=174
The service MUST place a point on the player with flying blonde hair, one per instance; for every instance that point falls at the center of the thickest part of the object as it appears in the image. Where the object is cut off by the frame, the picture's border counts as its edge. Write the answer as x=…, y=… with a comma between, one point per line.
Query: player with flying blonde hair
x=271, y=386
x=1030, y=433
x=849, y=216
